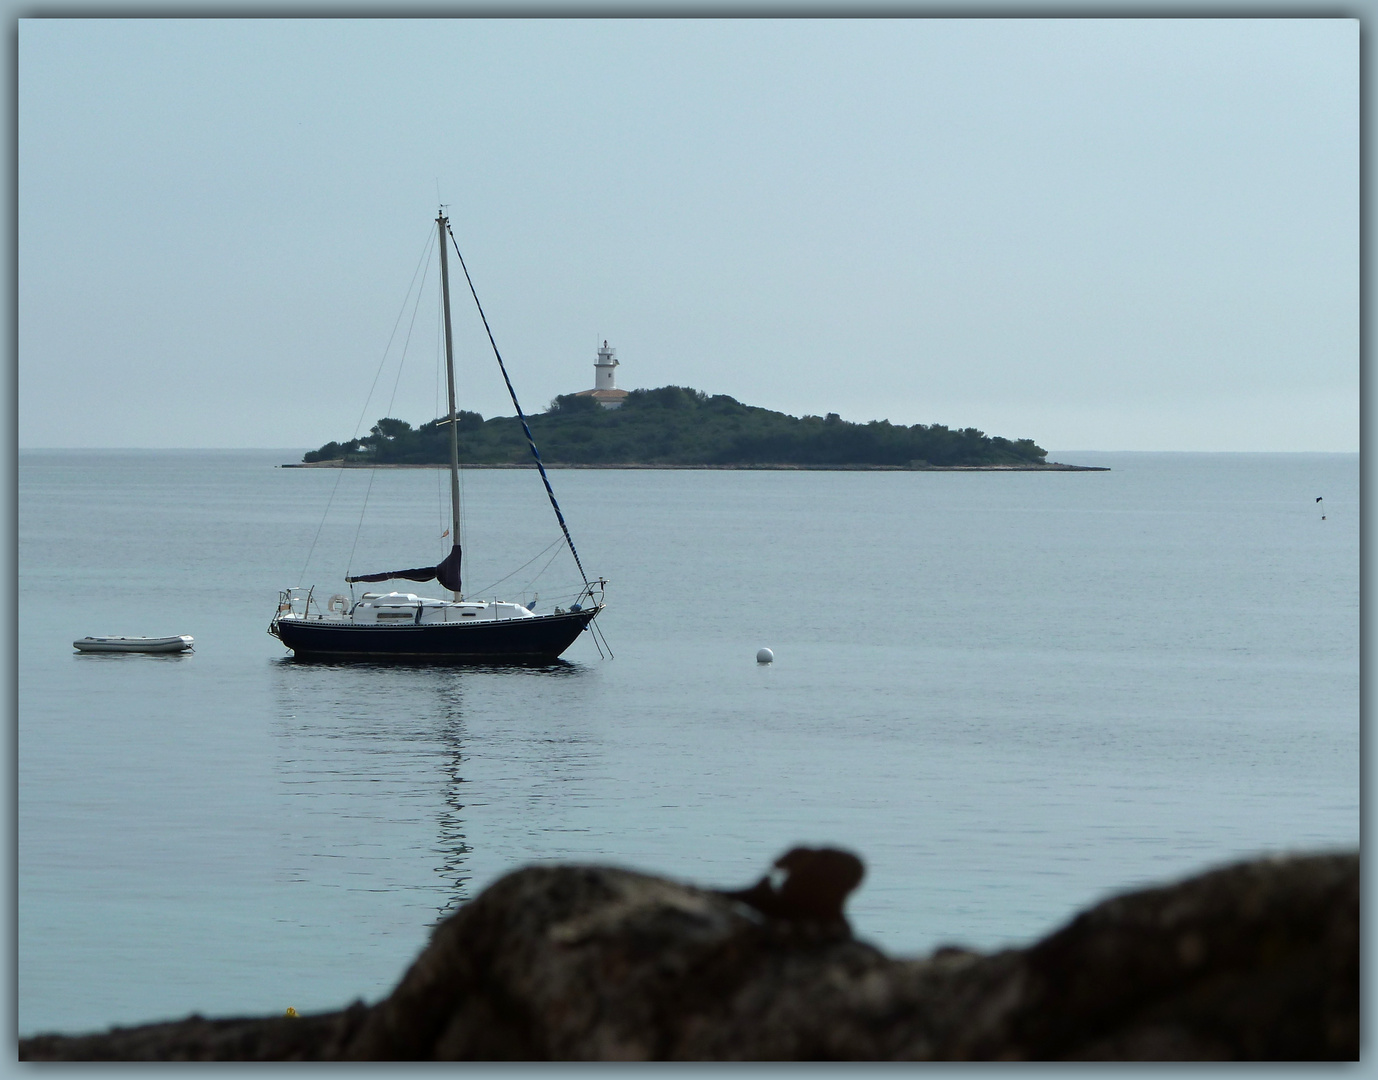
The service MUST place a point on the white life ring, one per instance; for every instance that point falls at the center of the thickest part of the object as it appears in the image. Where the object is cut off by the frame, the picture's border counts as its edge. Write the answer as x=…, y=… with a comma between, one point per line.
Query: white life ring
x=338, y=604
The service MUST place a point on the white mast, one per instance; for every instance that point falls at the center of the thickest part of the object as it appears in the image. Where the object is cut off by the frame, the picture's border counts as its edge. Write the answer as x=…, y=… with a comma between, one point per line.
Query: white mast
x=442, y=224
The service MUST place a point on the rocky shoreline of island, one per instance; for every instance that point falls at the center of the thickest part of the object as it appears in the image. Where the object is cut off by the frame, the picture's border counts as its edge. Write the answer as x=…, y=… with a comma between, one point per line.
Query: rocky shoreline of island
x=680, y=427
x=1043, y=466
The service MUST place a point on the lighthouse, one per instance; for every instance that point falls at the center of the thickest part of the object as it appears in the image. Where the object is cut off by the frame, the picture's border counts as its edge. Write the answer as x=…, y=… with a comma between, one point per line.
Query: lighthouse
x=605, y=390
x=605, y=368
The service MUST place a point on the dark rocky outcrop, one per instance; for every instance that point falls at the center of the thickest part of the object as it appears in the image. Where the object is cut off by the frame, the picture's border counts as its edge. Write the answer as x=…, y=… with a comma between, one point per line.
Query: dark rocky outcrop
x=1254, y=961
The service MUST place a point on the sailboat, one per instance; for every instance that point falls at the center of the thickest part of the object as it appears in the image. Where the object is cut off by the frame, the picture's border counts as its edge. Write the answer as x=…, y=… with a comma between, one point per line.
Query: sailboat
x=406, y=625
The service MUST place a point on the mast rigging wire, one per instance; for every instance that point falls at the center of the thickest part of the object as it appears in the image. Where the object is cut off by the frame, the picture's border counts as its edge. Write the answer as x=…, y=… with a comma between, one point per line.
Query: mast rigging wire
x=550, y=492
x=519, y=569
x=406, y=343
x=422, y=264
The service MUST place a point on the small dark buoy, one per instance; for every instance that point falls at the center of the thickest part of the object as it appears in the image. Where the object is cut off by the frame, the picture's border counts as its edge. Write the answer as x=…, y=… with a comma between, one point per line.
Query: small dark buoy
x=764, y=656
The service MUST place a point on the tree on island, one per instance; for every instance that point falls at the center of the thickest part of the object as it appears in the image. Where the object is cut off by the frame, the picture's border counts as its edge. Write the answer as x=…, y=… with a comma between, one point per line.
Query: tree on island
x=676, y=425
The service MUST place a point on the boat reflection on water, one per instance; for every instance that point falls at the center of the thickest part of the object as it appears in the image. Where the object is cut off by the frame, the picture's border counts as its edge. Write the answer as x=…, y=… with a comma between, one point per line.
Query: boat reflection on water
x=373, y=772
x=451, y=843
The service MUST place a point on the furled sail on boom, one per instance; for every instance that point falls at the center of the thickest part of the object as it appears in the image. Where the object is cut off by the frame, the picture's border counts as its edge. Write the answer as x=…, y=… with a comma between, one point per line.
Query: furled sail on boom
x=446, y=572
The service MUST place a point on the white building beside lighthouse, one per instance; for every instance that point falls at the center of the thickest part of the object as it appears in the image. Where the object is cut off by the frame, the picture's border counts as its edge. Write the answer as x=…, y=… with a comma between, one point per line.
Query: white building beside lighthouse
x=605, y=390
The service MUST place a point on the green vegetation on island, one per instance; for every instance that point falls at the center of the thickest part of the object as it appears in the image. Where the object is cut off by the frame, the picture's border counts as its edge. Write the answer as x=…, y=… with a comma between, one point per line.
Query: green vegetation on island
x=674, y=425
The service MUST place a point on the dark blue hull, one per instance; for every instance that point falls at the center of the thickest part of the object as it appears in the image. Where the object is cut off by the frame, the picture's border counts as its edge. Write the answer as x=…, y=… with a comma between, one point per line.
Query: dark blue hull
x=541, y=638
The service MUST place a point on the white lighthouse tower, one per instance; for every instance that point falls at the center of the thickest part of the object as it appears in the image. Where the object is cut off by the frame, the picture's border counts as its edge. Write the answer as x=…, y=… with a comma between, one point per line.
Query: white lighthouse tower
x=605, y=369
x=605, y=390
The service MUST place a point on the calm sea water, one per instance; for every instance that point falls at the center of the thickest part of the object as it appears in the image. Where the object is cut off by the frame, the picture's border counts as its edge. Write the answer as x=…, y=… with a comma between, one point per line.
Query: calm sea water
x=1012, y=694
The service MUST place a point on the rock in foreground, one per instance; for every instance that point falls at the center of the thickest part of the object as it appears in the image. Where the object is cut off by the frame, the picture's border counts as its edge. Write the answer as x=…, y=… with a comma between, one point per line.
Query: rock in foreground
x=1254, y=961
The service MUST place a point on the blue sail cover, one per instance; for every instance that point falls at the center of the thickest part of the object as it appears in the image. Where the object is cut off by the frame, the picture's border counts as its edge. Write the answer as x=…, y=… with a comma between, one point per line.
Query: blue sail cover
x=446, y=572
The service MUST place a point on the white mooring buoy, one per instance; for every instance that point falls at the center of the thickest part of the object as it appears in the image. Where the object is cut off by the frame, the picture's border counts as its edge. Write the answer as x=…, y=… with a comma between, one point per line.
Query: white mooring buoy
x=764, y=656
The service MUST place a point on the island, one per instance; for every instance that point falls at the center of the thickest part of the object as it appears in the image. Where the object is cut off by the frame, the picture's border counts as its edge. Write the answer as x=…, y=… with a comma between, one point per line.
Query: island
x=679, y=427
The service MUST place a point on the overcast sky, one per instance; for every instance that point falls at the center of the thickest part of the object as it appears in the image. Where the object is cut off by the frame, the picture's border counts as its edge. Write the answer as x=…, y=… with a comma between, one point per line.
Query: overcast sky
x=1098, y=234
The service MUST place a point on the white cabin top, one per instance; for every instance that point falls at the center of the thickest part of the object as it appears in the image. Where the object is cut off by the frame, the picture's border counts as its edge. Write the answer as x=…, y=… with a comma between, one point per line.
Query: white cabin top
x=408, y=607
